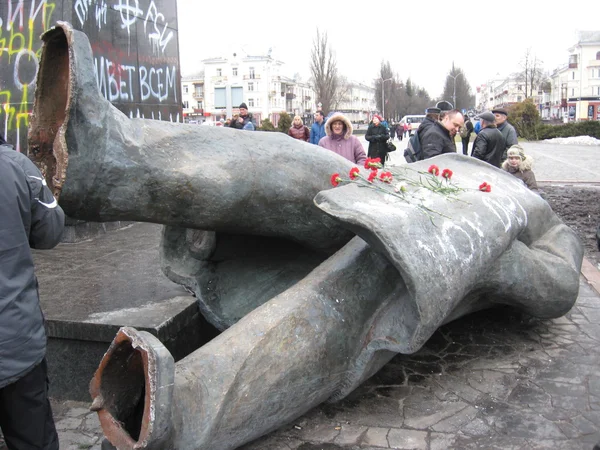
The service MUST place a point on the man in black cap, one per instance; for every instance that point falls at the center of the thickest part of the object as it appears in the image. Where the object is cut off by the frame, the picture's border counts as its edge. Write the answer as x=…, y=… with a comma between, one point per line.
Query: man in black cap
x=439, y=138
x=245, y=118
x=432, y=115
x=507, y=130
x=444, y=107
x=489, y=143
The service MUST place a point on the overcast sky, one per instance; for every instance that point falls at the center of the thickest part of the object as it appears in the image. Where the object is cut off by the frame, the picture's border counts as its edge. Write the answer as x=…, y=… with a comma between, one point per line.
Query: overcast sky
x=420, y=41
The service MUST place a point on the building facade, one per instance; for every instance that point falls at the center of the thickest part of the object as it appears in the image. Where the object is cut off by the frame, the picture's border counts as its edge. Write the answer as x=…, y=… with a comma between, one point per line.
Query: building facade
x=262, y=83
x=358, y=102
x=581, y=86
x=574, y=92
x=259, y=81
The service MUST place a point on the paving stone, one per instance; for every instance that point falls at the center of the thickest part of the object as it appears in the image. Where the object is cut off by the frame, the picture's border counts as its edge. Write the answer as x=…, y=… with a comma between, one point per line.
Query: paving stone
x=556, y=388
x=77, y=412
x=459, y=387
x=350, y=435
x=441, y=441
x=407, y=439
x=68, y=423
x=570, y=431
x=496, y=384
x=376, y=437
x=476, y=427
x=319, y=432
x=423, y=418
x=457, y=421
x=273, y=442
x=91, y=422
x=79, y=441
x=555, y=445
x=529, y=394
x=527, y=425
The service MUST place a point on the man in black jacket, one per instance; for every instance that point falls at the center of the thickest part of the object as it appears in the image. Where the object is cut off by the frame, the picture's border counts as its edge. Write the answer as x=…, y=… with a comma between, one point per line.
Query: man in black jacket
x=244, y=120
x=439, y=138
x=29, y=218
x=489, y=143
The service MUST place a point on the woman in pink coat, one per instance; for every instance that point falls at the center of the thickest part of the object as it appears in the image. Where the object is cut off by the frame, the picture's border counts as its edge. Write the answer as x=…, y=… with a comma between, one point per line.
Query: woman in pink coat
x=339, y=139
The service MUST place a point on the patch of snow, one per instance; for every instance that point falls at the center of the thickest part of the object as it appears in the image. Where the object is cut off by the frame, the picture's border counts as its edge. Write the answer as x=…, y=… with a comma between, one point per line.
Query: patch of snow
x=575, y=140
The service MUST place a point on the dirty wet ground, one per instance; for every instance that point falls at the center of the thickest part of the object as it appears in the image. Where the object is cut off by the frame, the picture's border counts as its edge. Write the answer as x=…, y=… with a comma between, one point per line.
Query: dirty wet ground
x=579, y=207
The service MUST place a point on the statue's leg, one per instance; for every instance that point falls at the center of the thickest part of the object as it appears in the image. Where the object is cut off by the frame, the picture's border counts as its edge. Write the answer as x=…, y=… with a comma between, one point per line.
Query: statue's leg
x=287, y=356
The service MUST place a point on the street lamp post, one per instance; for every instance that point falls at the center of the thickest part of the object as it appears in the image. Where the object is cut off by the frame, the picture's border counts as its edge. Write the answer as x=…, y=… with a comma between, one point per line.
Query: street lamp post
x=454, y=93
x=382, y=96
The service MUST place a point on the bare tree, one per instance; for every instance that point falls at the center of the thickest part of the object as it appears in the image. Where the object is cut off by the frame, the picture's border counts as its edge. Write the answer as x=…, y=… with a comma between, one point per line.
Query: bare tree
x=342, y=94
x=323, y=67
x=532, y=74
x=457, y=89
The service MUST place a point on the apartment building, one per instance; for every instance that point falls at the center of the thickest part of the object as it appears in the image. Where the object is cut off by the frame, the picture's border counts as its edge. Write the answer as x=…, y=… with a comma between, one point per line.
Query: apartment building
x=358, y=102
x=259, y=81
x=579, y=82
x=262, y=83
x=574, y=86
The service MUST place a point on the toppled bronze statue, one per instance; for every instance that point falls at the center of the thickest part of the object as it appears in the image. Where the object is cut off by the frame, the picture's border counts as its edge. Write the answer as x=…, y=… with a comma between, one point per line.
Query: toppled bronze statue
x=314, y=287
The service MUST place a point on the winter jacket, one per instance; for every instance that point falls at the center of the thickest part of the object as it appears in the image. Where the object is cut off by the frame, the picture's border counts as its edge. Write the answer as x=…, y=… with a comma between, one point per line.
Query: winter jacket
x=377, y=137
x=488, y=146
x=427, y=122
x=317, y=132
x=29, y=218
x=523, y=172
x=343, y=144
x=510, y=137
x=436, y=140
x=299, y=132
x=240, y=126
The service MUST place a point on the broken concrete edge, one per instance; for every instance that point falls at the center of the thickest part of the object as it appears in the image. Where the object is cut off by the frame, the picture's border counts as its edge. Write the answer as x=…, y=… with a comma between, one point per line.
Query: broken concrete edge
x=158, y=373
x=591, y=274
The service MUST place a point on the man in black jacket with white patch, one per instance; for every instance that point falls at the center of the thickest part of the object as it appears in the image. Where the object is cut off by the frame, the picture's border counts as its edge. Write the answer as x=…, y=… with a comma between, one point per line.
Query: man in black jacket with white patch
x=29, y=218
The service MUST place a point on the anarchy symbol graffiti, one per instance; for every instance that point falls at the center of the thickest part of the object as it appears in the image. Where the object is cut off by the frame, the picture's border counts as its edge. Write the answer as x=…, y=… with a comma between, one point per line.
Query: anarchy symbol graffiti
x=129, y=13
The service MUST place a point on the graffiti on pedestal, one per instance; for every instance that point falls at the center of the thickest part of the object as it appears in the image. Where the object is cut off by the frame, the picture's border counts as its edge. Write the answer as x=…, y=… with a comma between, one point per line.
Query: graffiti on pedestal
x=135, y=49
x=21, y=23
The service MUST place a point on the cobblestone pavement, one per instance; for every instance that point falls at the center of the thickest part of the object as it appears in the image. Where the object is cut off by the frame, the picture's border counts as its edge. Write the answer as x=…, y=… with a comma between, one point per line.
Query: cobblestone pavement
x=496, y=379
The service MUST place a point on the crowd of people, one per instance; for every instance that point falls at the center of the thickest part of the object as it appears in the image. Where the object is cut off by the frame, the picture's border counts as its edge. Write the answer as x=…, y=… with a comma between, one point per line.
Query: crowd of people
x=495, y=142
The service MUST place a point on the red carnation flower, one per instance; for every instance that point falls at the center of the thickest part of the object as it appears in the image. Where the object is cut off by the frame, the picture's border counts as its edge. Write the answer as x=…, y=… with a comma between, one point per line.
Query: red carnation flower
x=434, y=170
x=447, y=174
x=484, y=187
x=386, y=177
x=373, y=163
x=354, y=172
x=335, y=179
x=372, y=175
